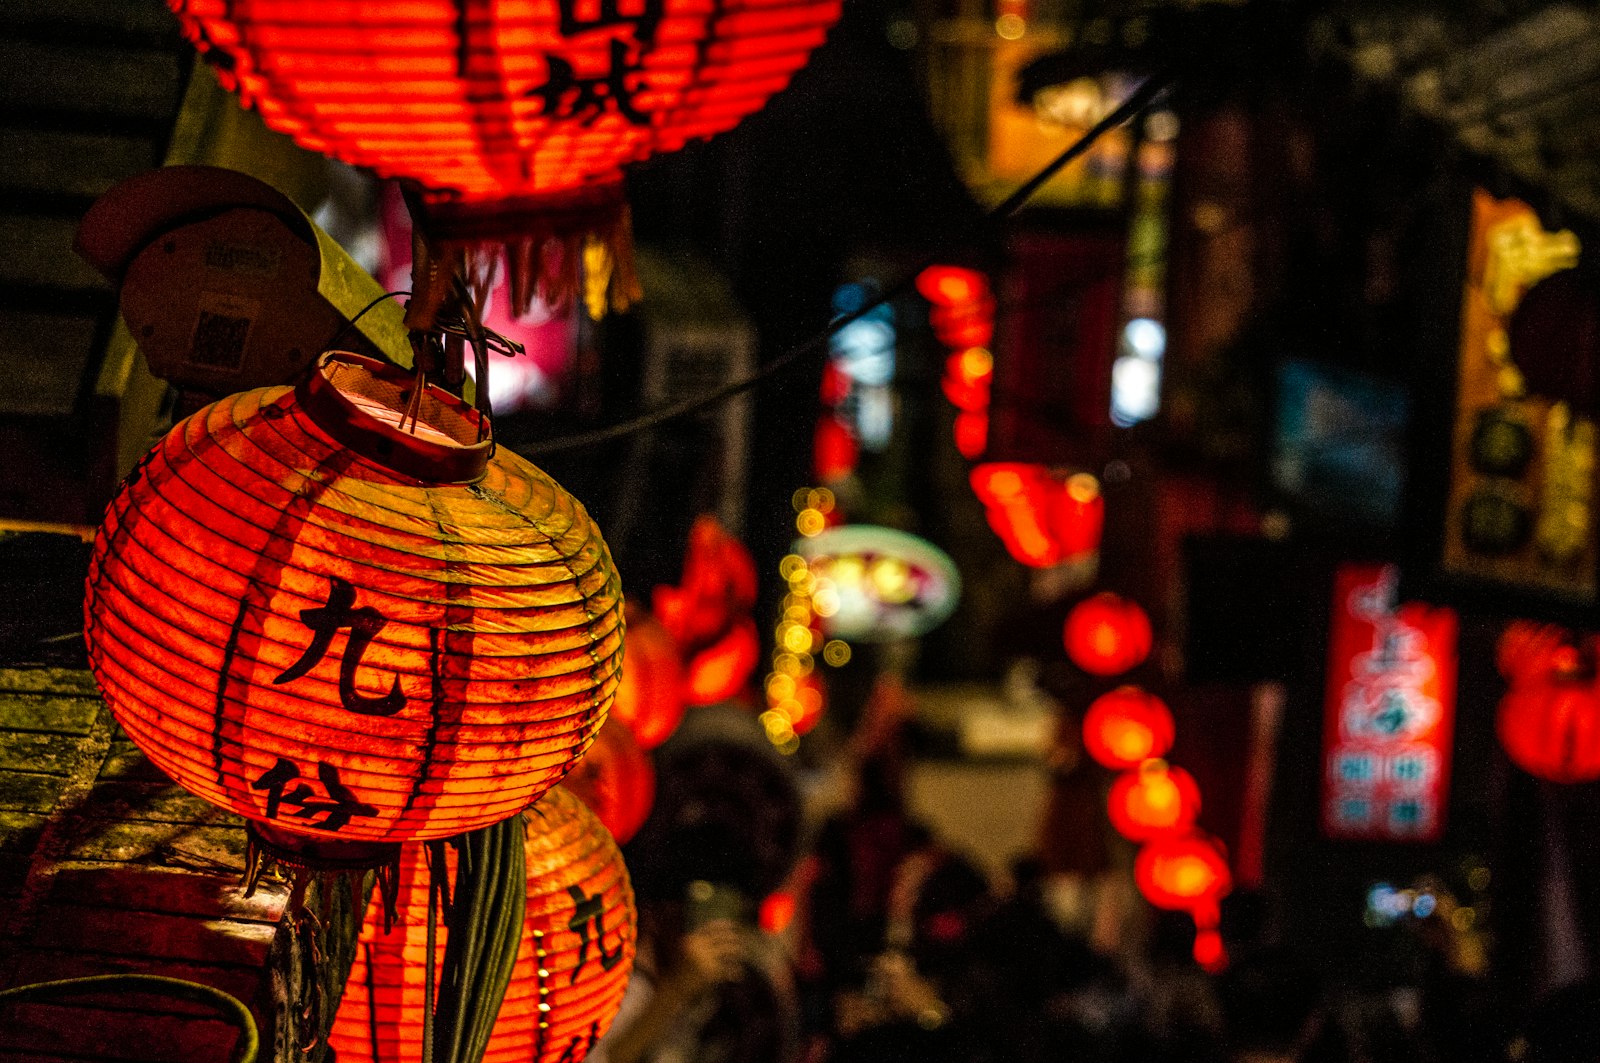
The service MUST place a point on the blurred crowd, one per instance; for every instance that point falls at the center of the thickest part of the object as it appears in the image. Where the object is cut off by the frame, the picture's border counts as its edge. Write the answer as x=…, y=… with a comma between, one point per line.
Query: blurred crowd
x=881, y=943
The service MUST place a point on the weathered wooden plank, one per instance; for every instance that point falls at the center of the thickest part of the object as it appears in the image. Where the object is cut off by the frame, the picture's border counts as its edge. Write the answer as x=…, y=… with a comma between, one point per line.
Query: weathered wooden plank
x=218, y=848
x=172, y=892
x=43, y=753
x=153, y=802
x=124, y=83
x=64, y=682
x=13, y=873
x=49, y=713
x=120, y=1035
x=27, y=791
x=72, y=927
x=132, y=765
x=78, y=164
x=20, y=831
x=43, y=380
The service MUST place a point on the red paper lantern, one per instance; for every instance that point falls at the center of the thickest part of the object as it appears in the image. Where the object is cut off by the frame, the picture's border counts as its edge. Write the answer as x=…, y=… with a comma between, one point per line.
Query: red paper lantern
x=722, y=670
x=616, y=780
x=346, y=631
x=968, y=375
x=972, y=433
x=650, y=697
x=1044, y=517
x=1550, y=727
x=1127, y=726
x=1107, y=634
x=1183, y=872
x=509, y=113
x=1527, y=649
x=1153, y=800
x=835, y=452
x=718, y=588
x=572, y=967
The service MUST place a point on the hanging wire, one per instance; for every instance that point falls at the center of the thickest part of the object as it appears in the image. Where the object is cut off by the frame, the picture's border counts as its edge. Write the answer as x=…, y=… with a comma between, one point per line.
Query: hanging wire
x=344, y=329
x=1141, y=98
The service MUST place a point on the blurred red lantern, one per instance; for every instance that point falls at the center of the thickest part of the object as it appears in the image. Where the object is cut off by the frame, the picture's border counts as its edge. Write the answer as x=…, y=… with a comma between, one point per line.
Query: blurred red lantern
x=972, y=433
x=650, y=696
x=572, y=966
x=1550, y=727
x=968, y=375
x=1044, y=517
x=1127, y=726
x=722, y=670
x=514, y=117
x=1527, y=649
x=962, y=313
x=836, y=452
x=1209, y=951
x=1183, y=872
x=616, y=780
x=1153, y=799
x=344, y=631
x=1107, y=634
x=718, y=588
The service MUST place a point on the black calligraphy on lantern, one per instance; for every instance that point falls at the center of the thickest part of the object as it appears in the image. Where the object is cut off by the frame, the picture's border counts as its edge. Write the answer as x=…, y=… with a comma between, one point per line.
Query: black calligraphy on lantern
x=566, y=94
x=337, y=804
x=589, y=911
x=577, y=1049
x=364, y=623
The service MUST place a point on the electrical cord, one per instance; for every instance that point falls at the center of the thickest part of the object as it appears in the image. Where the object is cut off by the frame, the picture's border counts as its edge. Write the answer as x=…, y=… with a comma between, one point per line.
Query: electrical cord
x=1141, y=98
x=233, y=1011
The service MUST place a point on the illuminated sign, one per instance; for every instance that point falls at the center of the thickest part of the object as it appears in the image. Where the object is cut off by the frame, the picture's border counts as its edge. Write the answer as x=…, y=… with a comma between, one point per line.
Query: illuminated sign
x=1389, y=711
x=873, y=584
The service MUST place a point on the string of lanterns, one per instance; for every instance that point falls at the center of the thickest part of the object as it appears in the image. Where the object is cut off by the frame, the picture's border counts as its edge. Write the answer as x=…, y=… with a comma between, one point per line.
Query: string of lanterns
x=1151, y=802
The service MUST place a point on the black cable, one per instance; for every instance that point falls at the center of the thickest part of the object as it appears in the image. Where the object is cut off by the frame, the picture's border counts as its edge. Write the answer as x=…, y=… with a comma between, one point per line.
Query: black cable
x=348, y=325
x=1138, y=101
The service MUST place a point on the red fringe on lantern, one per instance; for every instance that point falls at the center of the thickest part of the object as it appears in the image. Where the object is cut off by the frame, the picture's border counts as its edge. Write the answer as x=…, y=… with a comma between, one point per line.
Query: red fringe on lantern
x=572, y=967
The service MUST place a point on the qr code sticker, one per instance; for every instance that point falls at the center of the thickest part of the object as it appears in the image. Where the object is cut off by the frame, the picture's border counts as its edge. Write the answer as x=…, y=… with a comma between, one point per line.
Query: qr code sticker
x=221, y=334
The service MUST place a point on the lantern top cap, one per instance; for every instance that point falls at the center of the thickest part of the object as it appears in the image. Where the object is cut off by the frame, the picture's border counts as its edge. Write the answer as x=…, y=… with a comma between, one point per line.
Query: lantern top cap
x=361, y=402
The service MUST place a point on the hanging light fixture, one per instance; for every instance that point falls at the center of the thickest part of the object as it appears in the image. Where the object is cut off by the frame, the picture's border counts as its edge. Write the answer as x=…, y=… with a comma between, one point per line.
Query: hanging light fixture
x=337, y=611
x=576, y=952
x=1107, y=634
x=1155, y=798
x=650, y=700
x=511, y=119
x=1127, y=726
x=616, y=779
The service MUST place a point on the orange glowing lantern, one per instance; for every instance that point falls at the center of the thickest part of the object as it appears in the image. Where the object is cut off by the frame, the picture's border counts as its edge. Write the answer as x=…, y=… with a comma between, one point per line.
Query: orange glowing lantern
x=650, y=697
x=972, y=433
x=571, y=969
x=616, y=780
x=514, y=117
x=1127, y=726
x=723, y=669
x=835, y=451
x=1107, y=634
x=346, y=632
x=1153, y=800
x=1183, y=872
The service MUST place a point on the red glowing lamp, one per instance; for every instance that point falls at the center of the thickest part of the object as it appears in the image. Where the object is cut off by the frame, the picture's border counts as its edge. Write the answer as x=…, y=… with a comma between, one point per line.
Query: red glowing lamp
x=1043, y=516
x=649, y=699
x=515, y=117
x=1154, y=799
x=616, y=780
x=348, y=632
x=1183, y=872
x=1550, y=727
x=571, y=969
x=835, y=451
x=1127, y=726
x=972, y=433
x=951, y=285
x=1107, y=634
x=718, y=588
x=722, y=670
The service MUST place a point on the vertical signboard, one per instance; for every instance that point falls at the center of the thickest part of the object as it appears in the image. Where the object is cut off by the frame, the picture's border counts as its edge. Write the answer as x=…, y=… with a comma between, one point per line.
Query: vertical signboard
x=1389, y=712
